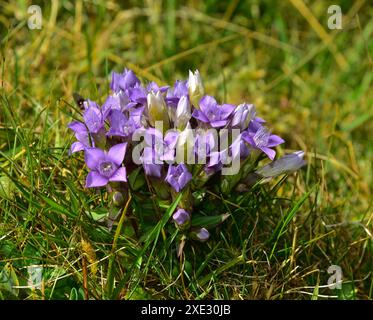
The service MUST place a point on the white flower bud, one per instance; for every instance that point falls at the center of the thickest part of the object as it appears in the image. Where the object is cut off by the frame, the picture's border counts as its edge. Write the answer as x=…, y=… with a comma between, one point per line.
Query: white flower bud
x=195, y=88
x=185, y=146
x=242, y=115
x=157, y=109
x=286, y=164
x=183, y=113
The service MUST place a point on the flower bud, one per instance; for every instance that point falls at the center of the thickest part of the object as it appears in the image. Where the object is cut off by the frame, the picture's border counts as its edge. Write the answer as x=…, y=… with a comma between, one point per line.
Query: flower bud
x=118, y=199
x=286, y=164
x=201, y=234
x=195, y=88
x=157, y=109
x=181, y=219
x=242, y=115
x=185, y=146
x=183, y=113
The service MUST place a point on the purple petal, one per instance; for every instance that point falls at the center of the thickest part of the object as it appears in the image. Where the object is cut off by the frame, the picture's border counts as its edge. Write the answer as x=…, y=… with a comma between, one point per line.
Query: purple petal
x=78, y=127
x=207, y=103
x=93, y=156
x=274, y=141
x=200, y=116
x=269, y=152
x=119, y=175
x=203, y=234
x=77, y=146
x=117, y=153
x=95, y=180
x=181, y=217
x=153, y=136
x=129, y=80
x=111, y=103
x=137, y=95
x=153, y=170
x=115, y=78
x=248, y=138
x=225, y=110
x=219, y=123
x=93, y=119
x=171, y=139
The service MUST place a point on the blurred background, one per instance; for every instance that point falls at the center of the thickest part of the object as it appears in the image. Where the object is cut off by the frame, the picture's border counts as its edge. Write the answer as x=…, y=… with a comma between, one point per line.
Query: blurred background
x=311, y=83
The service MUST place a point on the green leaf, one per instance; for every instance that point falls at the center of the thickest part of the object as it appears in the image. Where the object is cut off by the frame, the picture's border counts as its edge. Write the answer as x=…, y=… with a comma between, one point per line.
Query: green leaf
x=136, y=180
x=56, y=207
x=6, y=187
x=73, y=294
x=9, y=279
x=209, y=221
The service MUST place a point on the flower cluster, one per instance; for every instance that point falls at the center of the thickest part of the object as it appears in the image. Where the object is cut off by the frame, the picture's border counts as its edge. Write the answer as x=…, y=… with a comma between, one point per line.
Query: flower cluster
x=176, y=138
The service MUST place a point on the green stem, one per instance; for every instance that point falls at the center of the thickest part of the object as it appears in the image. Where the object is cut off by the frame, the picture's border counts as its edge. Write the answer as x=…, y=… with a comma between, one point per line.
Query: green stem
x=110, y=276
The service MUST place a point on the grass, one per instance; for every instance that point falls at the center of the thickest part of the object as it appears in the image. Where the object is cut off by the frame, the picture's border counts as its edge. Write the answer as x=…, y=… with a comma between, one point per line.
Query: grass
x=312, y=84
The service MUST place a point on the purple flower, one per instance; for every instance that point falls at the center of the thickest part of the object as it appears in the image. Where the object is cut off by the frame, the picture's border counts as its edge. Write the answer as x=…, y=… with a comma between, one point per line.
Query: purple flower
x=174, y=94
x=202, y=234
x=158, y=149
x=136, y=114
x=206, y=141
x=123, y=81
x=181, y=217
x=242, y=116
x=153, y=87
x=117, y=101
x=81, y=134
x=262, y=139
x=137, y=95
x=93, y=118
x=152, y=169
x=287, y=163
x=212, y=113
x=178, y=176
x=120, y=125
x=105, y=166
x=234, y=152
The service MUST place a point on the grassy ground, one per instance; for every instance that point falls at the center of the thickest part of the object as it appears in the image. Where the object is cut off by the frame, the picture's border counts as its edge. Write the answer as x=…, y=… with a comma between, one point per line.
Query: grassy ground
x=312, y=84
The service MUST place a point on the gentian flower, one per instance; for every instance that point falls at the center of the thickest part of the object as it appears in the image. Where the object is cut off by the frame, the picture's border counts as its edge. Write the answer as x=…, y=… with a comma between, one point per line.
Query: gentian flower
x=202, y=234
x=286, y=164
x=157, y=109
x=156, y=146
x=234, y=152
x=153, y=87
x=132, y=111
x=181, y=218
x=120, y=125
x=205, y=143
x=81, y=134
x=93, y=118
x=178, y=176
x=210, y=112
x=262, y=139
x=242, y=116
x=137, y=95
x=158, y=150
x=195, y=88
x=174, y=94
x=183, y=113
x=117, y=101
x=105, y=166
x=123, y=81
x=185, y=145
